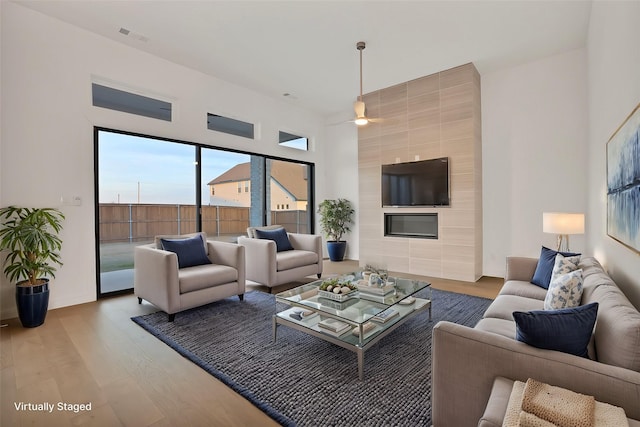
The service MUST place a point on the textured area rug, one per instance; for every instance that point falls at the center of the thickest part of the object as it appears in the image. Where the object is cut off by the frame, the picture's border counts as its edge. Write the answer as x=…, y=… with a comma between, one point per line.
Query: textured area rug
x=305, y=381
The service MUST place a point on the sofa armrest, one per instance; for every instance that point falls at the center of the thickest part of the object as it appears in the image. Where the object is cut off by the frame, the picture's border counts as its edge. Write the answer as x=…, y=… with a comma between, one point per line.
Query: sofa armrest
x=224, y=253
x=230, y=254
x=520, y=268
x=465, y=362
x=155, y=277
x=306, y=242
x=260, y=257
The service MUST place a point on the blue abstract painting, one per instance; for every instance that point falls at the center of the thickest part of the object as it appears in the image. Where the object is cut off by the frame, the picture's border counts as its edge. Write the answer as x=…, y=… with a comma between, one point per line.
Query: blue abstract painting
x=623, y=183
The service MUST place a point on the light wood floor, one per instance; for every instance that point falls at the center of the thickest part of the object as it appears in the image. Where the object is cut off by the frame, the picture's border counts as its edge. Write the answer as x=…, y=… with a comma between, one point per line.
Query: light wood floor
x=94, y=353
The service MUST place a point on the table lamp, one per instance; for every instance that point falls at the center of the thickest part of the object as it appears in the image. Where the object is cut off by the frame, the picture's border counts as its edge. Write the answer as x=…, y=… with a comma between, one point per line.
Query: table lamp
x=563, y=224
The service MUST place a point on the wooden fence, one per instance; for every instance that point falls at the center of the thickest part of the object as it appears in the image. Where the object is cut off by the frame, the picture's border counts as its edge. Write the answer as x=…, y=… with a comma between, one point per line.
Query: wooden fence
x=141, y=222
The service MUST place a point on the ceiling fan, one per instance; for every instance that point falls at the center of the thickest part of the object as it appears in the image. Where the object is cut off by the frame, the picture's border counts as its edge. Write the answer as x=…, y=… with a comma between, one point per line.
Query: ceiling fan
x=359, y=107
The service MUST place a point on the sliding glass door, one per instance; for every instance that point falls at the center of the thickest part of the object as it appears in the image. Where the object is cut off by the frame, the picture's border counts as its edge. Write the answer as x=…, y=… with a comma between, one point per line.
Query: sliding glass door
x=148, y=186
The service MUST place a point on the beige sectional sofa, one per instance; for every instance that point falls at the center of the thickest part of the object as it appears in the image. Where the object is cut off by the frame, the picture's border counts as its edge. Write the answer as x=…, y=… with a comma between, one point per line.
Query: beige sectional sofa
x=466, y=361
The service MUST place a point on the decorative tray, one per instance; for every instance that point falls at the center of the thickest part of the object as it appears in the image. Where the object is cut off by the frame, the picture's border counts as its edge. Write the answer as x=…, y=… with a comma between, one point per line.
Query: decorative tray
x=337, y=290
x=337, y=297
x=363, y=286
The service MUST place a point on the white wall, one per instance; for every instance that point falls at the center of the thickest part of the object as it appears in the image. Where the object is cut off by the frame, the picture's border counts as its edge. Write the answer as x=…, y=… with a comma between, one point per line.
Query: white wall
x=614, y=91
x=534, y=138
x=47, y=127
x=341, y=173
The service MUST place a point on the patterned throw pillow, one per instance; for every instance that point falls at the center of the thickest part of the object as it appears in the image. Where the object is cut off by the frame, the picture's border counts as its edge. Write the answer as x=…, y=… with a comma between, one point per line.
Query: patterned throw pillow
x=565, y=291
x=563, y=265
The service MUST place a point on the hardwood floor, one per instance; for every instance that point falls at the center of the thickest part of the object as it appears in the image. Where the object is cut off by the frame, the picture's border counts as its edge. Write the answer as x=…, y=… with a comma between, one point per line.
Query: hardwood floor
x=93, y=353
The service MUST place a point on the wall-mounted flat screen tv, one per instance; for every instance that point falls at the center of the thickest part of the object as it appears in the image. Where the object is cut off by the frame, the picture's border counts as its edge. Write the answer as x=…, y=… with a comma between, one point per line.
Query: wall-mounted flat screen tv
x=421, y=183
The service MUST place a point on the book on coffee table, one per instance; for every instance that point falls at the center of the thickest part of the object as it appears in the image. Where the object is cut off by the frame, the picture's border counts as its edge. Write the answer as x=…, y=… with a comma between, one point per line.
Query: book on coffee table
x=300, y=315
x=333, y=326
x=385, y=316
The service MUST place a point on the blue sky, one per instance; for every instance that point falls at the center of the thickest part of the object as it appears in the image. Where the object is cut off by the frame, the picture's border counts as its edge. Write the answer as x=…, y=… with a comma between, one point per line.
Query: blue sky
x=165, y=170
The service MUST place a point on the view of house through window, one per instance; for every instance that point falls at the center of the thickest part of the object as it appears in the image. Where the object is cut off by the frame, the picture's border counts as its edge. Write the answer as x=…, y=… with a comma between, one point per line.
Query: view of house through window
x=147, y=187
x=289, y=195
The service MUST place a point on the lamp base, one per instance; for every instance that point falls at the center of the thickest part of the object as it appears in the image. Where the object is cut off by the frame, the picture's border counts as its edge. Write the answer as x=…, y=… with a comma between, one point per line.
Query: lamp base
x=563, y=243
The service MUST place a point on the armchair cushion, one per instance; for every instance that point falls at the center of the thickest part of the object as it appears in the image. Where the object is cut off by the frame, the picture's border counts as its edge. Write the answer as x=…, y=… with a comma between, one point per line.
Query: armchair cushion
x=190, y=251
x=202, y=277
x=279, y=235
x=295, y=258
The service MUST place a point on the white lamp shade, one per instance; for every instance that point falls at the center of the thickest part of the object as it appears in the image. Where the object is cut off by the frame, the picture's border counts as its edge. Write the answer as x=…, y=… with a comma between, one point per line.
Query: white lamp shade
x=563, y=223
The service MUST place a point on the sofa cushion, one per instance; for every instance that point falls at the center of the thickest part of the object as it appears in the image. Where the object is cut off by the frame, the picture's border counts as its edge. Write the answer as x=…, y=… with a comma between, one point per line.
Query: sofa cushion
x=295, y=258
x=278, y=235
x=190, y=251
x=506, y=328
x=567, y=330
x=617, y=334
x=589, y=266
x=564, y=291
x=205, y=276
x=504, y=306
x=542, y=275
x=523, y=289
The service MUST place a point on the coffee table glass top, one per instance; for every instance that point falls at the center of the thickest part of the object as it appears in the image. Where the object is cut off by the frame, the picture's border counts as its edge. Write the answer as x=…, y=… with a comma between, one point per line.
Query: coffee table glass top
x=361, y=307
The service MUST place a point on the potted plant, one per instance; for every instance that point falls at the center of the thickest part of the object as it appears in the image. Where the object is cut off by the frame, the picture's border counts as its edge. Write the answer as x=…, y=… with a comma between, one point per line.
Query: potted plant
x=335, y=218
x=30, y=235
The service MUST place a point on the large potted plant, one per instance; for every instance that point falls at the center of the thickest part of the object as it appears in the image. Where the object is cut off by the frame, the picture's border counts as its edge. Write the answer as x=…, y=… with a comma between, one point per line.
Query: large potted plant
x=335, y=218
x=30, y=235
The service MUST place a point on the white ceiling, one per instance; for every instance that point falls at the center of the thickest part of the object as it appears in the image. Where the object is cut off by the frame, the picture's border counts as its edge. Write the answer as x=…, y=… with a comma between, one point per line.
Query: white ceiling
x=307, y=48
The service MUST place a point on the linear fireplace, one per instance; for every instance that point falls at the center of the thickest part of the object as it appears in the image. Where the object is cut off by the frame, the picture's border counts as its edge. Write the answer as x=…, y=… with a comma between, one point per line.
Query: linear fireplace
x=415, y=225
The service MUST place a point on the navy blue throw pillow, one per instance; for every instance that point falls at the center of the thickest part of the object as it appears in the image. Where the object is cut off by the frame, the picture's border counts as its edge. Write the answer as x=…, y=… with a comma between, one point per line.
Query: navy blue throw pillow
x=190, y=251
x=568, y=329
x=278, y=235
x=542, y=275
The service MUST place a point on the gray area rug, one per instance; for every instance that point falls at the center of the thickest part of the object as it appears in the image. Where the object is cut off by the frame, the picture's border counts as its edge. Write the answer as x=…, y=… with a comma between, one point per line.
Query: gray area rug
x=305, y=381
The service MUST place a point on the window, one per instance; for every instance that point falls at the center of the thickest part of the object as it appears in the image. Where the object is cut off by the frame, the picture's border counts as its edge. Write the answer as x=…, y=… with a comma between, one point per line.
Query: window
x=289, y=194
x=119, y=100
x=136, y=199
x=293, y=141
x=230, y=126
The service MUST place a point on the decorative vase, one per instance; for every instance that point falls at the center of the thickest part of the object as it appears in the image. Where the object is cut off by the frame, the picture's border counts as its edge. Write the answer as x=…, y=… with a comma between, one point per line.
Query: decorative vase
x=336, y=250
x=32, y=303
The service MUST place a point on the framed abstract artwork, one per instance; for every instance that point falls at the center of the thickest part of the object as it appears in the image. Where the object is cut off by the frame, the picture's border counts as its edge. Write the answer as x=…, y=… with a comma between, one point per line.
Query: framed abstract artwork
x=623, y=182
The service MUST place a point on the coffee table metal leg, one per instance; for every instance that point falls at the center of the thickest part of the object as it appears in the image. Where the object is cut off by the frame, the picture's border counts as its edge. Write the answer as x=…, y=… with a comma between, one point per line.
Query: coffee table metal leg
x=360, y=363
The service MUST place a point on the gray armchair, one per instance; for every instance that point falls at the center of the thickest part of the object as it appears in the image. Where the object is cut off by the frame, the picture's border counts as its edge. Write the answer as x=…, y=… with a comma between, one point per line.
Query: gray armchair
x=267, y=266
x=159, y=280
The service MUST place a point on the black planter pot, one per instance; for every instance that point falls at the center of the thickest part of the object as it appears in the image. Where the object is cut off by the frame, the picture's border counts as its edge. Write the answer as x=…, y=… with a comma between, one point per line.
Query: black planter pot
x=32, y=303
x=336, y=250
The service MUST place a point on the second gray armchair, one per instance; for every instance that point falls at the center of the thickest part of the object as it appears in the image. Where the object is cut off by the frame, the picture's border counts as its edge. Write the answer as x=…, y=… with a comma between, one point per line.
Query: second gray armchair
x=271, y=262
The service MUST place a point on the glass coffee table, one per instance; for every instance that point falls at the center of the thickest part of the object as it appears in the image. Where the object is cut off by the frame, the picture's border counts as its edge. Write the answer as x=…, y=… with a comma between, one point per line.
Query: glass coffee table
x=355, y=321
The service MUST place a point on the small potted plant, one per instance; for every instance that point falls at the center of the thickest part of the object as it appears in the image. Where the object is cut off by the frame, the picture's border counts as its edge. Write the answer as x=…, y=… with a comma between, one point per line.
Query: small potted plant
x=30, y=235
x=336, y=216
